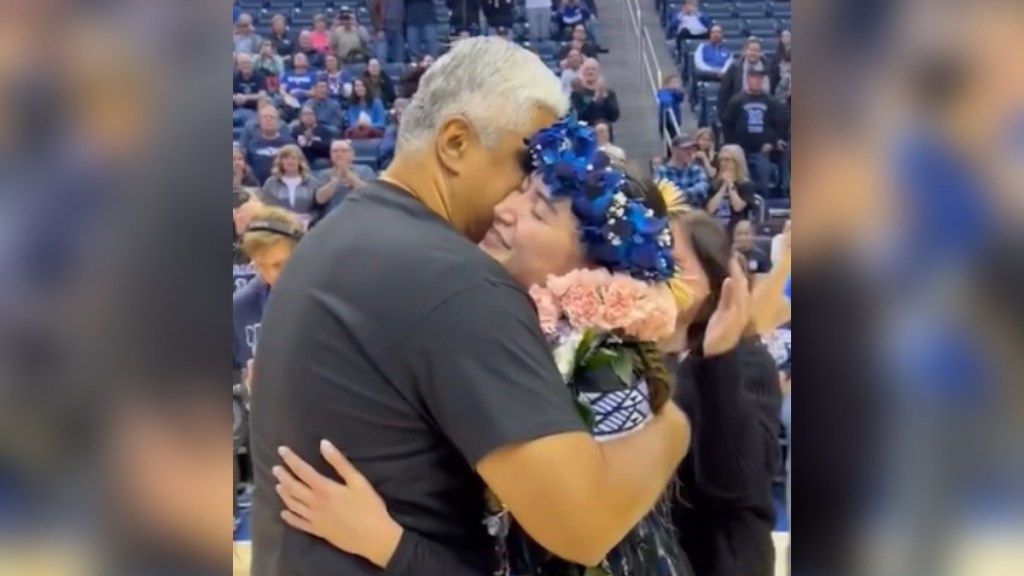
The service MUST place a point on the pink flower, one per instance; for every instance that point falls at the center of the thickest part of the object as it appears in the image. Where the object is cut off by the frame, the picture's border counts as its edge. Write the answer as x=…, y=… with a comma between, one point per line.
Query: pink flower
x=581, y=304
x=547, y=308
x=619, y=304
x=657, y=318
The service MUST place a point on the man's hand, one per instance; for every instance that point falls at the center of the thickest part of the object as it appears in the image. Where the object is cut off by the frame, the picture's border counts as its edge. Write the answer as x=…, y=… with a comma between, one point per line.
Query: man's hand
x=732, y=315
x=766, y=149
x=781, y=144
x=239, y=99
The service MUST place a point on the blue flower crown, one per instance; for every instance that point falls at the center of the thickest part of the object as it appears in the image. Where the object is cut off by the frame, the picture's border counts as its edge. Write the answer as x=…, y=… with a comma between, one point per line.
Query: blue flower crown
x=620, y=233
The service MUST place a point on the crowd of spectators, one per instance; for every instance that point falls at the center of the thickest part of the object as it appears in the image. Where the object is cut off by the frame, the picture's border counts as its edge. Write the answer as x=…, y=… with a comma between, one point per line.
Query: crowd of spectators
x=305, y=83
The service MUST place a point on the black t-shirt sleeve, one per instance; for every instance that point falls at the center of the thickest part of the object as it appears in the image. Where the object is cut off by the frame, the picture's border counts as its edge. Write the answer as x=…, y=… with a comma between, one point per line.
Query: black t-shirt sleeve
x=418, y=556
x=486, y=373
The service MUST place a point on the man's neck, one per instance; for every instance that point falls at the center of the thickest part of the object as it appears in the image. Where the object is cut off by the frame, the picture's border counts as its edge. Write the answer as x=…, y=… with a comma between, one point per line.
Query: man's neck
x=423, y=181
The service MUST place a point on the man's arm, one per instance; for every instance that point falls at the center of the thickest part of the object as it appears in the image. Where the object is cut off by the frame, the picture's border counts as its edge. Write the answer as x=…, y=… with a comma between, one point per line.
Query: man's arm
x=550, y=485
x=502, y=402
x=324, y=193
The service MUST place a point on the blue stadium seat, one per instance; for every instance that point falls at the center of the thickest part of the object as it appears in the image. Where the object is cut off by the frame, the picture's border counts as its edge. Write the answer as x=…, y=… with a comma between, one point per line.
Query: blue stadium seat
x=751, y=9
x=718, y=11
x=366, y=152
x=394, y=69
x=731, y=28
x=250, y=6
x=761, y=27
x=734, y=45
x=282, y=4
x=782, y=10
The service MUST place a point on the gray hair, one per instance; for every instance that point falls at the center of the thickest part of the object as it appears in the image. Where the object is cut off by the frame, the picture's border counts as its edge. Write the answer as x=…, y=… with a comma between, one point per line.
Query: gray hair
x=492, y=82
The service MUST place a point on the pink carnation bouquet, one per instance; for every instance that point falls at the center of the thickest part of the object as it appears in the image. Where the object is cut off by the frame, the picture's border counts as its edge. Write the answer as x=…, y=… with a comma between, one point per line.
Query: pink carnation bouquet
x=587, y=308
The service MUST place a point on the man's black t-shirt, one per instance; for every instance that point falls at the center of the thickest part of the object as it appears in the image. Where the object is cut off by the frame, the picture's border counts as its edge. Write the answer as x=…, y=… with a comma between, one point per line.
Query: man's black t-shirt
x=417, y=355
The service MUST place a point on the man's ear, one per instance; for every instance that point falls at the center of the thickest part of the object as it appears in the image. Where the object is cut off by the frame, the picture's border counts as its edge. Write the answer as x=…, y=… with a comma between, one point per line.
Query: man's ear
x=452, y=143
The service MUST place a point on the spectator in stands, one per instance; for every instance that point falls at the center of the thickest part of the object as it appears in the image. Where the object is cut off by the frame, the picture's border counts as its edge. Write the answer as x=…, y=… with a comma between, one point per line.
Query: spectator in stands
x=743, y=241
x=410, y=81
x=269, y=63
x=711, y=59
x=687, y=174
x=386, y=151
x=246, y=40
x=268, y=241
x=320, y=36
x=466, y=14
x=248, y=87
x=754, y=121
x=706, y=154
x=780, y=69
x=344, y=177
x=735, y=78
x=421, y=28
x=313, y=139
x=391, y=14
x=241, y=174
x=593, y=101
x=538, y=15
x=291, y=184
x=570, y=70
x=499, y=13
x=732, y=199
x=327, y=110
x=252, y=127
x=339, y=81
x=261, y=149
x=280, y=37
x=298, y=82
x=689, y=23
x=304, y=46
x=379, y=84
x=603, y=135
x=571, y=13
x=582, y=41
x=366, y=117
x=350, y=42
x=670, y=106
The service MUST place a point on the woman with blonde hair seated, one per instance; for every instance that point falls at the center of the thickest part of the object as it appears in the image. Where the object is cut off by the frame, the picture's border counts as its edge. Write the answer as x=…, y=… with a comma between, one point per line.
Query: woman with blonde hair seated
x=291, y=184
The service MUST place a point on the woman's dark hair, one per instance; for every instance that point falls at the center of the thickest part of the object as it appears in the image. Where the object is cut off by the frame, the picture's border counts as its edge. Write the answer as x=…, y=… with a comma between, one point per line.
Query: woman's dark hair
x=713, y=250
x=367, y=99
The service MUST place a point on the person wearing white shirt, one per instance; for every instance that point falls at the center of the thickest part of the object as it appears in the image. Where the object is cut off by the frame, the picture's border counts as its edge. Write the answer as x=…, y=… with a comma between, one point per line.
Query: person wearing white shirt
x=570, y=70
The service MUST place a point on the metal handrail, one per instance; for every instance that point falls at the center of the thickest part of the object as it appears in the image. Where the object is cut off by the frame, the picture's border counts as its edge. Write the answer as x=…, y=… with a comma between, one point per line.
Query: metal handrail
x=649, y=69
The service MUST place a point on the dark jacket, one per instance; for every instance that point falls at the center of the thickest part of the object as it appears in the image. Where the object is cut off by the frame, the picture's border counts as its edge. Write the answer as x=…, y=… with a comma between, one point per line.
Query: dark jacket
x=724, y=514
x=752, y=120
x=732, y=81
x=593, y=111
x=384, y=90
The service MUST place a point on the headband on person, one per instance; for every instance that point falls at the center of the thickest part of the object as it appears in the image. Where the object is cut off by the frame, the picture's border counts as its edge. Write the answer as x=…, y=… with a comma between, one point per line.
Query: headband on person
x=621, y=233
x=272, y=227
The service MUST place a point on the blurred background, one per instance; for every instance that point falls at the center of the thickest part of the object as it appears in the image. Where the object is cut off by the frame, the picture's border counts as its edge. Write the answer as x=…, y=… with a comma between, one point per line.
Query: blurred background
x=908, y=201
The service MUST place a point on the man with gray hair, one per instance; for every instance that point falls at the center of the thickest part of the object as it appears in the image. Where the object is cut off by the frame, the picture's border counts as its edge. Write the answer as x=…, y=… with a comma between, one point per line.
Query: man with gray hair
x=393, y=336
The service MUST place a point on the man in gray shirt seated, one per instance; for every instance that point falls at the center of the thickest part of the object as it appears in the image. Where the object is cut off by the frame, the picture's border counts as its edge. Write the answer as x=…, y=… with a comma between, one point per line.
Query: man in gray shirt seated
x=343, y=177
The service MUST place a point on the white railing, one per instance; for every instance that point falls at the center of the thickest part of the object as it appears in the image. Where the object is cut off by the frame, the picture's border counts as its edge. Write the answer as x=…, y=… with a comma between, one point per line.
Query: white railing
x=650, y=72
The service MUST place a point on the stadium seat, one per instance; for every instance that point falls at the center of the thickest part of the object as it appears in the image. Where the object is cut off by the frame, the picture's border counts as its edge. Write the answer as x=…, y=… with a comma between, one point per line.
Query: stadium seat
x=366, y=152
x=761, y=27
x=751, y=10
x=718, y=11
x=731, y=28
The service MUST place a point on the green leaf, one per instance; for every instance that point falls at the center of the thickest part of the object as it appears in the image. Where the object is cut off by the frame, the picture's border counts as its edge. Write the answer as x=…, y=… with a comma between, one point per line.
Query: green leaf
x=585, y=348
x=599, y=359
x=622, y=364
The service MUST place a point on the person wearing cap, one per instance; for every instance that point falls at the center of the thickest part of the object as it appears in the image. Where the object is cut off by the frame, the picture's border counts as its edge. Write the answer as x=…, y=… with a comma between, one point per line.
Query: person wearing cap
x=350, y=41
x=685, y=172
x=753, y=120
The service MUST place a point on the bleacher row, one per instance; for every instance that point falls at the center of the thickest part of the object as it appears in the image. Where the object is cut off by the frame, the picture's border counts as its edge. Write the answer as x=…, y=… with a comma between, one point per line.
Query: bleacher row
x=300, y=13
x=739, y=21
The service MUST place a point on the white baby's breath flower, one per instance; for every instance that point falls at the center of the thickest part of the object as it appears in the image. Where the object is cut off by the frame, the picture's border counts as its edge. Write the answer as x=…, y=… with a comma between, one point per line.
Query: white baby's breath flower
x=565, y=354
